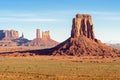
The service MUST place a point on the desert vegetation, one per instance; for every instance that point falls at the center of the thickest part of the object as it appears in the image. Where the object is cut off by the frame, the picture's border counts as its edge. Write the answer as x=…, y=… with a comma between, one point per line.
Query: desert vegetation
x=58, y=68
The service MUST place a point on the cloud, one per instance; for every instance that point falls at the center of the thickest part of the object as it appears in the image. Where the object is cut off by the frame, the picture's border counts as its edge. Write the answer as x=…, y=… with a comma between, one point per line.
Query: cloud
x=16, y=14
x=48, y=17
x=113, y=18
x=27, y=19
x=104, y=13
x=8, y=16
x=21, y=15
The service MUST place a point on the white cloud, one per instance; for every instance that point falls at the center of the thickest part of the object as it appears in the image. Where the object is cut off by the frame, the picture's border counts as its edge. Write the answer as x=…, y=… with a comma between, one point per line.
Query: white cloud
x=15, y=14
x=21, y=15
x=6, y=16
x=114, y=18
x=27, y=20
x=44, y=17
x=104, y=13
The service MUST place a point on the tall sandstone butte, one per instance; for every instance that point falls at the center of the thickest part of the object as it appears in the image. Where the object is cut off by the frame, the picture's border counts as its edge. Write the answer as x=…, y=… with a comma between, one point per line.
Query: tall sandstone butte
x=82, y=41
x=82, y=25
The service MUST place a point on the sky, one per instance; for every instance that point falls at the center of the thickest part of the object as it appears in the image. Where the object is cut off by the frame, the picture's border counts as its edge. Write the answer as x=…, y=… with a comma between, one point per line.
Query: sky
x=56, y=16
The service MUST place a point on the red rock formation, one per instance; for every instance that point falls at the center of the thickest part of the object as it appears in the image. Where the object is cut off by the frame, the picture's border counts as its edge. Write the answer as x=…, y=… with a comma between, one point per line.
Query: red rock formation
x=46, y=35
x=82, y=41
x=38, y=34
x=11, y=38
x=8, y=34
x=82, y=25
x=44, y=42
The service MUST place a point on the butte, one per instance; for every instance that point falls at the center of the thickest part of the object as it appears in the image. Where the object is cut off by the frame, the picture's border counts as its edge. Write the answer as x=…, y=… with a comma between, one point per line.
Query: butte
x=82, y=41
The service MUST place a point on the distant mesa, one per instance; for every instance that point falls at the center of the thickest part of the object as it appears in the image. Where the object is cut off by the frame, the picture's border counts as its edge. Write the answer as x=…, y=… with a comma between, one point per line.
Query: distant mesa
x=82, y=41
x=6, y=37
x=11, y=38
x=44, y=42
x=8, y=34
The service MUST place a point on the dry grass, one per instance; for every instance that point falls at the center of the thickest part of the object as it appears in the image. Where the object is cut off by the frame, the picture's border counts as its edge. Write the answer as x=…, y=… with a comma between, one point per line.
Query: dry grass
x=58, y=68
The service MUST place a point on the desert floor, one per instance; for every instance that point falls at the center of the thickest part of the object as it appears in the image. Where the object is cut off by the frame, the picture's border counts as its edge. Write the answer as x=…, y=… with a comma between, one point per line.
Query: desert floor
x=58, y=68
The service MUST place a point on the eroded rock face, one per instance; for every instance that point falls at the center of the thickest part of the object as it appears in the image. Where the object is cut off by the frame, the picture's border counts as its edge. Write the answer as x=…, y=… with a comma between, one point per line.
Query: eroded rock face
x=38, y=33
x=11, y=38
x=82, y=25
x=8, y=34
x=46, y=35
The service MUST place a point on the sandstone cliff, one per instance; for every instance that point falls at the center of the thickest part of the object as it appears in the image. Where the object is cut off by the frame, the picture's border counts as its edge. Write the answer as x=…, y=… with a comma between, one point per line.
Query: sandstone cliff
x=11, y=38
x=82, y=25
x=8, y=34
x=6, y=37
x=46, y=35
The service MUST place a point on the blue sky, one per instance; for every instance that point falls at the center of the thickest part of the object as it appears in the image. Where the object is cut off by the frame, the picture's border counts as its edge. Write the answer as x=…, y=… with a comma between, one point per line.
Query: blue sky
x=56, y=15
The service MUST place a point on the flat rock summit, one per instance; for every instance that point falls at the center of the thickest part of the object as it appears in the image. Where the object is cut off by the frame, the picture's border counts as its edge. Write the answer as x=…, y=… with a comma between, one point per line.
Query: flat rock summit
x=82, y=41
